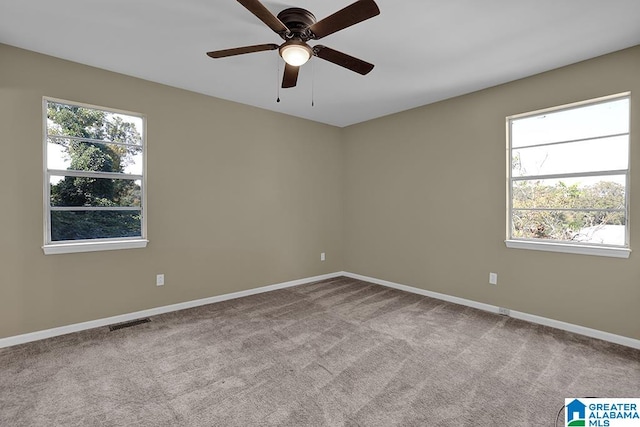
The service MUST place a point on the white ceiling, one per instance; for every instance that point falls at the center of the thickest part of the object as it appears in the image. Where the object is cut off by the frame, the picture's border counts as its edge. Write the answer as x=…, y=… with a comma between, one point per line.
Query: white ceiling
x=424, y=50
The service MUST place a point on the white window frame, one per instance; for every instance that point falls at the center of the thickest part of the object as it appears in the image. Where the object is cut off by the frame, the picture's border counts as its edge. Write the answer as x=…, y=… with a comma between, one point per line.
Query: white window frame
x=91, y=245
x=616, y=251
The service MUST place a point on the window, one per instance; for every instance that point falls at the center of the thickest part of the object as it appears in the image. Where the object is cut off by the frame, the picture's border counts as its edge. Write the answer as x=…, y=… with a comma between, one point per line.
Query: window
x=94, y=178
x=569, y=178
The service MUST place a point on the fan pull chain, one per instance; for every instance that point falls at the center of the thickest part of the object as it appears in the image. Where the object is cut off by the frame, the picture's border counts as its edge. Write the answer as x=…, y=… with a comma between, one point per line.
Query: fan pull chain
x=278, y=79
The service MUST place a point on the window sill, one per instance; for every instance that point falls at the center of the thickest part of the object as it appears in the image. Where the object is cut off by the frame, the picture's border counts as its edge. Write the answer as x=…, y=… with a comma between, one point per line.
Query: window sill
x=69, y=248
x=569, y=248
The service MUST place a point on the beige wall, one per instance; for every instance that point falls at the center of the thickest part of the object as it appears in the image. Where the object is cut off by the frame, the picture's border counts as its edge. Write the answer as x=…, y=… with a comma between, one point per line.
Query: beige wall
x=425, y=202
x=233, y=203
x=416, y=198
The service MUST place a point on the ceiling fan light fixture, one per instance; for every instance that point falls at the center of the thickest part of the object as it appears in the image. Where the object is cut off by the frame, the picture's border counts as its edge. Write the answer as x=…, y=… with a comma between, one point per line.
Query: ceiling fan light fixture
x=297, y=26
x=295, y=53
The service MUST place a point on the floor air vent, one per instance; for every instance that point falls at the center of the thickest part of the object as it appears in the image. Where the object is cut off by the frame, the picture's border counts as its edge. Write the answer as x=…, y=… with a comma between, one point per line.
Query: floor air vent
x=129, y=324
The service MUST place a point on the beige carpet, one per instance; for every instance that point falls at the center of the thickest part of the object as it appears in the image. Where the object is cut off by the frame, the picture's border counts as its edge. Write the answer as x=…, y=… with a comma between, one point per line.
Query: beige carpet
x=339, y=352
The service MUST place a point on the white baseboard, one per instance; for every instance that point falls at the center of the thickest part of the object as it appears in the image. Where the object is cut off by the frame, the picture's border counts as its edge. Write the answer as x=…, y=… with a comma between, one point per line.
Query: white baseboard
x=581, y=330
x=63, y=330
x=77, y=327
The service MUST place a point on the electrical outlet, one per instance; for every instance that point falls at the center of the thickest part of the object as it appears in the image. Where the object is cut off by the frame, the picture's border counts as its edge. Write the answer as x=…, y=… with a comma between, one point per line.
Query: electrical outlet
x=493, y=278
x=322, y=257
x=503, y=311
x=160, y=280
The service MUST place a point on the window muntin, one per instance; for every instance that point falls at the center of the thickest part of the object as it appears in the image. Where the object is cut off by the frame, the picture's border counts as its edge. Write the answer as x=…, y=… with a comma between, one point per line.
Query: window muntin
x=94, y=176
x=569, y=174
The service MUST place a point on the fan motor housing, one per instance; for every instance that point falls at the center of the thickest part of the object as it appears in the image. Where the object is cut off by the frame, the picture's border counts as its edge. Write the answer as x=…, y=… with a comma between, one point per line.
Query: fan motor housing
x=297, y=19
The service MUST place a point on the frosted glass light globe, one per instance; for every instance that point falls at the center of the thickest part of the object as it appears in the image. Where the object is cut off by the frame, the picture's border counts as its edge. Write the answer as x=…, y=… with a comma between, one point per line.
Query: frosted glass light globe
x=295, y=54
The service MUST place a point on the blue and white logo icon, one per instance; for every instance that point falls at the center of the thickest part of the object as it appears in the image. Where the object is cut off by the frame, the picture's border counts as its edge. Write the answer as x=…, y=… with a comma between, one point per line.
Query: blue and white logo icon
x=575, y=413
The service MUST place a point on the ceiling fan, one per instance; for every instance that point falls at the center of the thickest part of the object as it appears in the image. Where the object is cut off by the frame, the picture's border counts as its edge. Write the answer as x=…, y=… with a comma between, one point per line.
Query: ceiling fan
x=296, y=27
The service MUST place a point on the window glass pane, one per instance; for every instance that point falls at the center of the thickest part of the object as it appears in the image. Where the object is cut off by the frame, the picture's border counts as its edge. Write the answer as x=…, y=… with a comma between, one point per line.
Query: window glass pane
x=602, y=119
x=68, y=154
x=80, y=225
x=81, y=191
x=584, y=156
x=598, y=192
x=595, y=227
x=83, y=122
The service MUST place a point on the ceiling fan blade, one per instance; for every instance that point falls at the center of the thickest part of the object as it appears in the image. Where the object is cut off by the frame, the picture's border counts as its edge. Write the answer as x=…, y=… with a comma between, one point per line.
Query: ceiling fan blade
x=290, y=77
x=263, y=14
x=242, y=50
x=350, y=15
x=342, y=59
